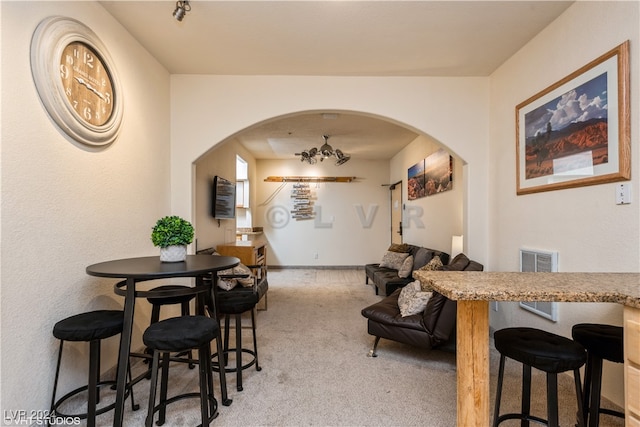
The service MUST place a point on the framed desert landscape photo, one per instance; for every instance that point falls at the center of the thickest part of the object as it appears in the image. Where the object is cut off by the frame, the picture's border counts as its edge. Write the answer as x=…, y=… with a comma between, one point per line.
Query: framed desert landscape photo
x=577, y=131
x=415, y=181
x=438, y=172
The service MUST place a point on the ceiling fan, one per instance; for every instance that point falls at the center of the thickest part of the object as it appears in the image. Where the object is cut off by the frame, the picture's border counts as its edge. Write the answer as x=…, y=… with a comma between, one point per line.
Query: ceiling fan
x=324, y=152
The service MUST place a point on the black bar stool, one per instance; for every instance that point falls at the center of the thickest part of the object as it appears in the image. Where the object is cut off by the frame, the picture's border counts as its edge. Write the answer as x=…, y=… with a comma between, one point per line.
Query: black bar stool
x=547, y=352
x=603, y=342
x=236, y=310
x=159, y=301
x=179, y=334
x=235, y=302
x=91, y=327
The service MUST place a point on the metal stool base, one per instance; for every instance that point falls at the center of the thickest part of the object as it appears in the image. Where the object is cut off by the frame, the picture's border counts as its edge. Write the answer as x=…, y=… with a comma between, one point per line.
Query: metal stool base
x=56, y=411
x=240, y=366
x=552, y=398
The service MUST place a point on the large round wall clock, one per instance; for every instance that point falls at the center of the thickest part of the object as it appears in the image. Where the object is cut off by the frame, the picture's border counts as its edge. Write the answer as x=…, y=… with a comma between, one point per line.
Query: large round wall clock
x=76, y=80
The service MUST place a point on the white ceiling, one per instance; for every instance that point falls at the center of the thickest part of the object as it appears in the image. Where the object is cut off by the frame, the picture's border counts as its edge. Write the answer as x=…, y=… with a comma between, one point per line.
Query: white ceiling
x=360, y=136
x=336, y=38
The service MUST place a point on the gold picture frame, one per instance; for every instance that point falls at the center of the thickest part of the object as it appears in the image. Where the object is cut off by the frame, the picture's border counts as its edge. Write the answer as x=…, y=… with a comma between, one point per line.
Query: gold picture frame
x=576, y=132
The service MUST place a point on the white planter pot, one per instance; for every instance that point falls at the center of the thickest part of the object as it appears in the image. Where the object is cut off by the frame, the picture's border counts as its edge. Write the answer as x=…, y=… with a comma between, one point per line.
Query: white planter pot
x=176, y=253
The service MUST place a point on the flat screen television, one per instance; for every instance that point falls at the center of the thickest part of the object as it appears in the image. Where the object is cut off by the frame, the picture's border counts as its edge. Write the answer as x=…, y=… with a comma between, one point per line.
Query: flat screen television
x=223, y=200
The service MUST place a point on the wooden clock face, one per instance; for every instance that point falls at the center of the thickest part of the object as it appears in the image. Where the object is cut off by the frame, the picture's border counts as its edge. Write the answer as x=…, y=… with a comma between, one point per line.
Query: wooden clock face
x=87, y=83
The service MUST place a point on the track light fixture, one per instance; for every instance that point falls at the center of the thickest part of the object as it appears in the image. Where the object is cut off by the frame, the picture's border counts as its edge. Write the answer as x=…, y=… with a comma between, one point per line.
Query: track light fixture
x=325, y=152
x=182, y=7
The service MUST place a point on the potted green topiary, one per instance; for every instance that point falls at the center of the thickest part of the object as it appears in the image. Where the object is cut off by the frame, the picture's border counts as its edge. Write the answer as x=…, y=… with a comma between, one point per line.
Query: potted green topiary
x=172, y=234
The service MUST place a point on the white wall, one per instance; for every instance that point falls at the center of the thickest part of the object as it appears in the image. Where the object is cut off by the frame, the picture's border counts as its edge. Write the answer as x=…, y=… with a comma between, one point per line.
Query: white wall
x=430, y=221
x=351, y=227
x=220, y=161
x=65, y=207
x=586, y=227
x=209, y=109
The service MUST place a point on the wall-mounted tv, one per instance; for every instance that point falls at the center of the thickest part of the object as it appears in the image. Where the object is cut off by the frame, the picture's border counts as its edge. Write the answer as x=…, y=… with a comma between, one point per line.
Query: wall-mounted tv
x=223, y=200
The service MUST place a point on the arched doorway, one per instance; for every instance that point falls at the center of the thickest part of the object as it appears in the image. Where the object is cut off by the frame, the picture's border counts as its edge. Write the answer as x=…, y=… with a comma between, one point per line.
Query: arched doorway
x=351, y=225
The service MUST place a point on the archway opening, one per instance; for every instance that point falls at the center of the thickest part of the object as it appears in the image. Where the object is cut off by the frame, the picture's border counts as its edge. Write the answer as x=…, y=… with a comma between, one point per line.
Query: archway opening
x=351, y=222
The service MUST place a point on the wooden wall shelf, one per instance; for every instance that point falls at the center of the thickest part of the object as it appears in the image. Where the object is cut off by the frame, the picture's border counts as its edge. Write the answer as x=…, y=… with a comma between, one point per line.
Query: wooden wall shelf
x=309, y=178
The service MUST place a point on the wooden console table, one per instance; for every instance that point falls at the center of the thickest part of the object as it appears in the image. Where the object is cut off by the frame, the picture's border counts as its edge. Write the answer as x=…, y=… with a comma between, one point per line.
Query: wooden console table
x=473, y=291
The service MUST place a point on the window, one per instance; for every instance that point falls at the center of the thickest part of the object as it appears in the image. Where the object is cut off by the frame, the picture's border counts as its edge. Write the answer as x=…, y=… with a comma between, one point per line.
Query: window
x=243, y=214
x=242, y=183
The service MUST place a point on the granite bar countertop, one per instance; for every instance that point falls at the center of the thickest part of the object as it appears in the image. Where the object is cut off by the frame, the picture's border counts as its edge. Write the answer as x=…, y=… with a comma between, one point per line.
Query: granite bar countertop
x=621, y=288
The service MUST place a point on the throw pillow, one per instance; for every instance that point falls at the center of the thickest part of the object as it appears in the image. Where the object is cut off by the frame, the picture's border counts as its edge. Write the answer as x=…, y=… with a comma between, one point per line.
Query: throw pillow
x=433, y=265
x=406, y=268
x=226, y=284
x=422, y=257
x=393, y=260
x=404, y=298
x=243, y=269
x=229, y=283
x=399, y=247
x=459, y=263
x=412, y=300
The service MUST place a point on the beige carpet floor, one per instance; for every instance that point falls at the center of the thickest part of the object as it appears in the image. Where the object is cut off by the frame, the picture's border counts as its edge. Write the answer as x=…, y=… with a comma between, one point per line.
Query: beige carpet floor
x=312, y=343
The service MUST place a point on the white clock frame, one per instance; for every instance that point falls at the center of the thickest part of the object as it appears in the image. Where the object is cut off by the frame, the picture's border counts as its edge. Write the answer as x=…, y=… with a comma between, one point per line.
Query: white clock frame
x=50, y=38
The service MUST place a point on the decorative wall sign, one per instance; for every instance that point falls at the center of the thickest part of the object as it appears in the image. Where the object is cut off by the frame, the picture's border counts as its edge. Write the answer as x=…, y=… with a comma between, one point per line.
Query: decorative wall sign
x=576, y=132
x=76, y=80
x=302, y=201
x=430, y=176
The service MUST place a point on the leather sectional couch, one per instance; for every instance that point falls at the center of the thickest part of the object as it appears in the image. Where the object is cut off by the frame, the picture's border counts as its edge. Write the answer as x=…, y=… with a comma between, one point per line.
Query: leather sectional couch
x=434, y=327
x=387, y=279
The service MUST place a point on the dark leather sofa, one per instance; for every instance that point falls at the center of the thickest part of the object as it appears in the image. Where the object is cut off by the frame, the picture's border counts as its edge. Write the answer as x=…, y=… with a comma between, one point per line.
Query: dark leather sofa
x=434, y=327
x=387, y=279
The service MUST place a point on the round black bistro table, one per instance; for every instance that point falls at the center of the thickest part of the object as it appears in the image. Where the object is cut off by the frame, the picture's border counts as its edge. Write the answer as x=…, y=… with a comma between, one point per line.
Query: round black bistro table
x=150, y=268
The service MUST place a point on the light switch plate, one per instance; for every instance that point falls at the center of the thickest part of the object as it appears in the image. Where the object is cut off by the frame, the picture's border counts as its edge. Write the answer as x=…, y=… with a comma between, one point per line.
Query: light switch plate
x=623, y=193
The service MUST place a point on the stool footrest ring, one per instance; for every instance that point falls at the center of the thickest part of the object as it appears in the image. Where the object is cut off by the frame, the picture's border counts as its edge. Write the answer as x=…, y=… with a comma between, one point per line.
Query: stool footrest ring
x=216, y=366
x=611, y=412
x=523, y=417
x=84, y=415
x=214, y=412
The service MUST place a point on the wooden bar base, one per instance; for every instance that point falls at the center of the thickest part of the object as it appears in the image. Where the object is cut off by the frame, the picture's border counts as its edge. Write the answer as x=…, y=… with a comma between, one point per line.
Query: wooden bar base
x=473, y=363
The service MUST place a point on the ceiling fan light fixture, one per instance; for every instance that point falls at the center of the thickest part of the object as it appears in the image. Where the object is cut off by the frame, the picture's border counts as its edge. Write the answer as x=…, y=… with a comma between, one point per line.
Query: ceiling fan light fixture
x=342, y=158
x=325, y=152
x=308, y=156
